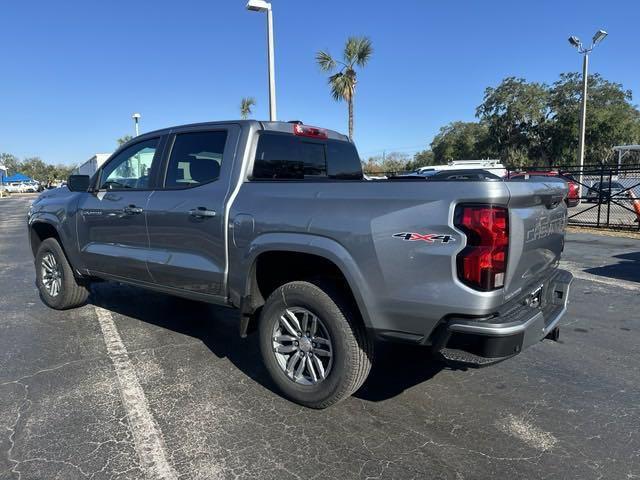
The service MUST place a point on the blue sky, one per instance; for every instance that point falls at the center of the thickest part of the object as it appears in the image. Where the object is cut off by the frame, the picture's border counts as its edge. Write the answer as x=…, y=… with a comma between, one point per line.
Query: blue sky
x=73, y=72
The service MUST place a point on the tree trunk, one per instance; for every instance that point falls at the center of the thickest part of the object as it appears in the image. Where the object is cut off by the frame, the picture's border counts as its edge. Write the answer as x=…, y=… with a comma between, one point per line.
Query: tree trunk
x=351, y=118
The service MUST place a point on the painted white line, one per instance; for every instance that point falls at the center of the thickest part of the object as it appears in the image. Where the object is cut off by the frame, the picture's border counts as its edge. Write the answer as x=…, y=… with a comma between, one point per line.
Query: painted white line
x=522, y=429
x=578, y=272
x=147, y=437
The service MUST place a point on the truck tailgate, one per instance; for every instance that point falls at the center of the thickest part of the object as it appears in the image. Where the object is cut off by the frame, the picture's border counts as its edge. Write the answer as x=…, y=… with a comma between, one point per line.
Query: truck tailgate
x=537, y=221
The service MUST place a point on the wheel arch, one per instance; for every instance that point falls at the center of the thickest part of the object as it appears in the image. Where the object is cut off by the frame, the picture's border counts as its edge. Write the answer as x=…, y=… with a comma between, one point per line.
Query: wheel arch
x=42, y=228
x=39, y=231
x=325, y=257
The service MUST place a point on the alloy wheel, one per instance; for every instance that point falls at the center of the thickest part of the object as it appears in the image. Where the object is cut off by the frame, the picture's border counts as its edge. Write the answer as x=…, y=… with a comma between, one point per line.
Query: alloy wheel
x=302, y=346
x=51, y=274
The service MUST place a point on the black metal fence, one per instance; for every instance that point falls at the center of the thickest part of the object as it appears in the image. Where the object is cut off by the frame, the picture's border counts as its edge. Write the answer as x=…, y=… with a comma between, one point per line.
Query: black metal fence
x=601, y=196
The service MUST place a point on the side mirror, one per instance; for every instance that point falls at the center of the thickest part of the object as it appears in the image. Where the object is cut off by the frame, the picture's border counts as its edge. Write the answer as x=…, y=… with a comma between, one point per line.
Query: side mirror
x=78, y=183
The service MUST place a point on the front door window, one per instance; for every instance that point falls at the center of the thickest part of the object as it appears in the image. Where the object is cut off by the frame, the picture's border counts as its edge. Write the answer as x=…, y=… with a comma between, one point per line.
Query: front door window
x=131, y=167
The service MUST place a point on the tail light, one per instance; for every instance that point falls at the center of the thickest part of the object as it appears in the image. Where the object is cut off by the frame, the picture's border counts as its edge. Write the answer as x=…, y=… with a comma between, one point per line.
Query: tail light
x=307, y=131
x=573, y=189
x=483, y=263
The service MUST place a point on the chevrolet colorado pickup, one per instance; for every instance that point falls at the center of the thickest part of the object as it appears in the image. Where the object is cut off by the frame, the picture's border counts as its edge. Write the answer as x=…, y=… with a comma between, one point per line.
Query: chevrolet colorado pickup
x=276, y=220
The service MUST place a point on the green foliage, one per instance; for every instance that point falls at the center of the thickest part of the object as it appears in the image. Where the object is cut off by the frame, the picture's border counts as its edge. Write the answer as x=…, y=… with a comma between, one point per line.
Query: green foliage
x=611, y=119
x=460, y=140
x=245, y=107
x=391, y=162
x=421, y=159
x=35, y=168
x=534, y=124
x=124, y=139
x=11, y=163
x=515, y=114
x=357, y=52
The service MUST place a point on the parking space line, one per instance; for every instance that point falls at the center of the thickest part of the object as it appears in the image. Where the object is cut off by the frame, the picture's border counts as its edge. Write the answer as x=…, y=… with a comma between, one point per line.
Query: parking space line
x=147, y=437
x=578, y=272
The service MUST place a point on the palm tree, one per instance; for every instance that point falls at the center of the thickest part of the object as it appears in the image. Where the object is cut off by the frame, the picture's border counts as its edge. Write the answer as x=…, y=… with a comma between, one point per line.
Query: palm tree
x=357, y=52
x=245, y=107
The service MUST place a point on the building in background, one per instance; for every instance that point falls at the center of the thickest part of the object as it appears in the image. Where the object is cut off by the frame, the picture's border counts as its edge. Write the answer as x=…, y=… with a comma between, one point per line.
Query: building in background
x=91, y=166
x=3, y=173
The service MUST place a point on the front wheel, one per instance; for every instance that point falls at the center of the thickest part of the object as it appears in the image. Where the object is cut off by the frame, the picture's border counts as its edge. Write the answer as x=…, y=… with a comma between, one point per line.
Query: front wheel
x=58, y=286
x=313, y=344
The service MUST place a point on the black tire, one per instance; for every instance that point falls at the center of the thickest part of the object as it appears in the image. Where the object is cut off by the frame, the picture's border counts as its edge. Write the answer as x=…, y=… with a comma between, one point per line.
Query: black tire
x=352, y=347
x=71, y=294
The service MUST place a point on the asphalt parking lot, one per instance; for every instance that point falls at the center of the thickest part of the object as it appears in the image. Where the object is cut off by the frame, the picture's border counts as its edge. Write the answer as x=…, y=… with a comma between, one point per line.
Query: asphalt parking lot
x=185, y=397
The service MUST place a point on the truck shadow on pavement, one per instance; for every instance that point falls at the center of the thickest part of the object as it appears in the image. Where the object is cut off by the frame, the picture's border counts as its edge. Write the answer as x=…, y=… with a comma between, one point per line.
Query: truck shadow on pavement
x=396, y=367
x=628, y=269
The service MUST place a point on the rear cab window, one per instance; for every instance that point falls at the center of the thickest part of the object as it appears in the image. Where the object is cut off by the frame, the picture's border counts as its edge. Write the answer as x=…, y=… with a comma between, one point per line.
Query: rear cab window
x=281, y=156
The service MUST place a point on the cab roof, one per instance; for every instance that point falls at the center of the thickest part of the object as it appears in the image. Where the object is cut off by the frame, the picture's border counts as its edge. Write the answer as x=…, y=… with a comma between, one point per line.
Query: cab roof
x=284, y=127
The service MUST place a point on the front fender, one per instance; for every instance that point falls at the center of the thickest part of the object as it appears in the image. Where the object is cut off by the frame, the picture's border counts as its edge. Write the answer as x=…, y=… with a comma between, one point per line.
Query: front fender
x=309, y=244
x=65, y=227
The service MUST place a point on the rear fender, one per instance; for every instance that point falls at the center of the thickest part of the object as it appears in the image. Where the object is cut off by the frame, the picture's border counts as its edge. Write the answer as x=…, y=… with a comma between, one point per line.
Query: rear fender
x=309, y=244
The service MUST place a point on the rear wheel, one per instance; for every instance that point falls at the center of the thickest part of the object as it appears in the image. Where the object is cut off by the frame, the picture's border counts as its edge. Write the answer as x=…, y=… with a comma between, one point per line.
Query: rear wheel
x=313, y=344
x=58, y=286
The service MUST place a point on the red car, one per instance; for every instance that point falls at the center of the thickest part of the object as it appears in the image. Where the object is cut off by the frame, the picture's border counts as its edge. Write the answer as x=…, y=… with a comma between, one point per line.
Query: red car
x=573, y=198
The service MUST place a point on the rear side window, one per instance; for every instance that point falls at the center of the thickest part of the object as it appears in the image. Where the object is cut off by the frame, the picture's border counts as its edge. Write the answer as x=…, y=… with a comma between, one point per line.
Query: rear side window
x=195, y=159
x=287, y=157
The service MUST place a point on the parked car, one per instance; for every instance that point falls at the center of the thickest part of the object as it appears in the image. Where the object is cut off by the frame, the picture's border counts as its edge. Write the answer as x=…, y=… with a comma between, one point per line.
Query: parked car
x=448, y=175
x=605, y=191
x=573, y=195
x=276, y=220
x=22, y=187
x=15, y=187
x=30, y=187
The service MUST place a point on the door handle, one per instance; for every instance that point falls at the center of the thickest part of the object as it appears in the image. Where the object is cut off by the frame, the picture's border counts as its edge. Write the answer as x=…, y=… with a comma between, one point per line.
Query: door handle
x=202, y=212
x=132, y=210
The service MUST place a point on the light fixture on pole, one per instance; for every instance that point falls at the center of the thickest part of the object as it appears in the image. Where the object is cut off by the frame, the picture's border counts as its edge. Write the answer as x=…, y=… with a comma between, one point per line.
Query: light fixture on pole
x=575, y=42
x=262, y=6
x=136, y=120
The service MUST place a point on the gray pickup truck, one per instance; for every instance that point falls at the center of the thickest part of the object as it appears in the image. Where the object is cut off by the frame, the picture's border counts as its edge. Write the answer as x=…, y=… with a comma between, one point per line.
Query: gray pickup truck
x=276, y=220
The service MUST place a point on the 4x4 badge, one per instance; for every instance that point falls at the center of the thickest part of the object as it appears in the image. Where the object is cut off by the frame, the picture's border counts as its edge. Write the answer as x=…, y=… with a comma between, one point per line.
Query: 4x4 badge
x=424, y=237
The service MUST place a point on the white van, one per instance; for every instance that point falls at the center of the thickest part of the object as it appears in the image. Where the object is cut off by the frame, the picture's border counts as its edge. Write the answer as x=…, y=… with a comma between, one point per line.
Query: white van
x=493, y=166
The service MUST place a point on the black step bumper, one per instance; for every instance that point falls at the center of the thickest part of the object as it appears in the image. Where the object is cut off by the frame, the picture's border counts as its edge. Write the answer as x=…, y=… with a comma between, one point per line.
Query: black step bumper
x=481, y=342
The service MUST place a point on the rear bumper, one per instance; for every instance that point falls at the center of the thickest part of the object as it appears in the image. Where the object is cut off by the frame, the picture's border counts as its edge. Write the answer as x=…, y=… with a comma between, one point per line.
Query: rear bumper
x=479, y=342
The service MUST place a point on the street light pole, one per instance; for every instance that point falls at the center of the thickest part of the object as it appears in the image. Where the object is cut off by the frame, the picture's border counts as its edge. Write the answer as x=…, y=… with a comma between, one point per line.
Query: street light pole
x=262, y=6
x=136, y=118
x=272, y=79
x=575, y=41
x=583, y=115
